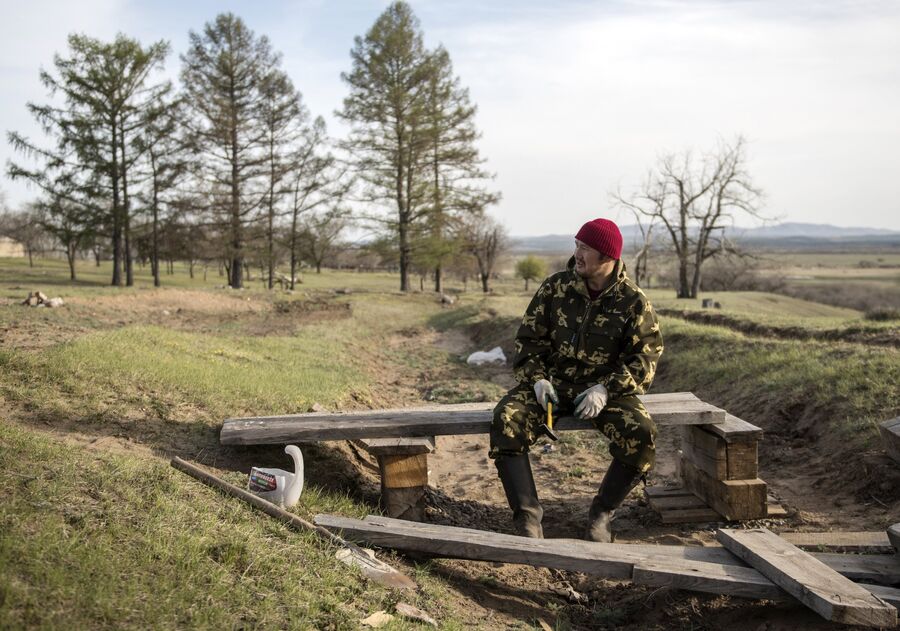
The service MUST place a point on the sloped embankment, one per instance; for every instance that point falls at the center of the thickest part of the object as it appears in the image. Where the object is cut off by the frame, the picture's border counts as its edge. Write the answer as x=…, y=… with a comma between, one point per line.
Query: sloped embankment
x=860, y=334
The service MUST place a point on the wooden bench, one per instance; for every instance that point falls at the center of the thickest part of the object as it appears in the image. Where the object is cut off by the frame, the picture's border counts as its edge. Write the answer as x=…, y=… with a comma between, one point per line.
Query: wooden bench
x=401, y=439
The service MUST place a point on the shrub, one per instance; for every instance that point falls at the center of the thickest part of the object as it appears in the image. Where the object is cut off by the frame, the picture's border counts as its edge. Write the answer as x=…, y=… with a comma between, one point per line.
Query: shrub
x=883, y=314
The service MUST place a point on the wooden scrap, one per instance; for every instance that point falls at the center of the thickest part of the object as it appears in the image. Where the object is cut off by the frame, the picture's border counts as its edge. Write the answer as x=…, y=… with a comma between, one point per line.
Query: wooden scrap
x=677, y=505
x=893, y=533
x=812, y=582
x=414, y=613
x=682, y=408
x=890, y=435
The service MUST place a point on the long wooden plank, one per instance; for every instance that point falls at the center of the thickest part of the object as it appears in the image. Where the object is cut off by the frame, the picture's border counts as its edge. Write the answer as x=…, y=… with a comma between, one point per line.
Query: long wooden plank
x=438, y=540
x=463, y=418
x=605, y=559
x=809, y=580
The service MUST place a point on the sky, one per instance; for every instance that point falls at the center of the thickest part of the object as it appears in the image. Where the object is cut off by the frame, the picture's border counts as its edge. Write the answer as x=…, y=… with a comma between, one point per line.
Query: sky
x=575, y=99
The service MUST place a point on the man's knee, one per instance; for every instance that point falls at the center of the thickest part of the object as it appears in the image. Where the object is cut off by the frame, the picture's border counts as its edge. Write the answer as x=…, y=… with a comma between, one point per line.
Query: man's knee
x=511, y=428
x=631, y=432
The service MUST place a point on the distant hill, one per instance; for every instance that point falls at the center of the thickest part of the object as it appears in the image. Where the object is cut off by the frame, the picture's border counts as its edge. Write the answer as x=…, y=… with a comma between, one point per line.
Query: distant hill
x=790, y=235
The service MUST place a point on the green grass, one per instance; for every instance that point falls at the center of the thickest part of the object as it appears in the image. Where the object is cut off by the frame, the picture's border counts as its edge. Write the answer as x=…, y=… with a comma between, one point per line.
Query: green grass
x=97, y=540
x=847, y=387
x=218, y=373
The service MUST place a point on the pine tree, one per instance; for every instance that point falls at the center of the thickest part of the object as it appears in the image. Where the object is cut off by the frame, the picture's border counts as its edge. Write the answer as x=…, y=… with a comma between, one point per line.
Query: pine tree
x=285, y=123
x=386, y=110
x=453, y=161
x=222, y=73
x=106, y=94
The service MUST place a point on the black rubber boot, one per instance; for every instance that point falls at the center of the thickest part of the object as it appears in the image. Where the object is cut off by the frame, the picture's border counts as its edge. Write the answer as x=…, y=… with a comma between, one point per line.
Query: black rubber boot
x=620, y=478
x=518, y=482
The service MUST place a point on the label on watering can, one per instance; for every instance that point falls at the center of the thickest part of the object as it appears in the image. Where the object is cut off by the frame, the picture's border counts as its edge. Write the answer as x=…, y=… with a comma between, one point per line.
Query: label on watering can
x=261, y=481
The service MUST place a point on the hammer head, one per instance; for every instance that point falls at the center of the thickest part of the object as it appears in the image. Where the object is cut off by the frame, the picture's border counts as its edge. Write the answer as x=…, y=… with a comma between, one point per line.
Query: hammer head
x=546, y=429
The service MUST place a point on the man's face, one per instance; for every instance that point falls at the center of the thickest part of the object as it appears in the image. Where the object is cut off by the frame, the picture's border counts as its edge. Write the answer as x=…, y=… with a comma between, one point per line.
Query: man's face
x=588, y=261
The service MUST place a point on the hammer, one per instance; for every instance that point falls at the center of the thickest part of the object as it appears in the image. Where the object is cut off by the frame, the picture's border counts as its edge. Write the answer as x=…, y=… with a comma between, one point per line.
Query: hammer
x=547, y=427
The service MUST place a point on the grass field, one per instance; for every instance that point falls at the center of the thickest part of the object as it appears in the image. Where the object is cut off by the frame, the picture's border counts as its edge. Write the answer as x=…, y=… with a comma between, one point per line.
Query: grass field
x=95, y=397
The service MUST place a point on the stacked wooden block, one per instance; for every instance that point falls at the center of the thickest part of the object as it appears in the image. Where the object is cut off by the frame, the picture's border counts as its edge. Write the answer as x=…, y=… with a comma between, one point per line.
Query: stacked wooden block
x=718, y=467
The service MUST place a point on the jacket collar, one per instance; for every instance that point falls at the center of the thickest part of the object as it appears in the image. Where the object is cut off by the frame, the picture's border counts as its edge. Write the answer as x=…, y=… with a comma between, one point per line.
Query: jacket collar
x=580, y=284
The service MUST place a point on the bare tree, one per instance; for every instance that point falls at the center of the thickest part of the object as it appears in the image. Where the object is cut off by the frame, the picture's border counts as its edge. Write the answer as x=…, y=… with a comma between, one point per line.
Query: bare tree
x=695, y=202
x=486, y=240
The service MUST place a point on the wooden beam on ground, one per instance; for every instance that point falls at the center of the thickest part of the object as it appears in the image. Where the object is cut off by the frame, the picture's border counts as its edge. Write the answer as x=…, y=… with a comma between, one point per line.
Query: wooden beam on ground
x=611, y=560
x=840, y=541
x=890, y=435
x=812, y=582
x=681, y=408
x=733, y=499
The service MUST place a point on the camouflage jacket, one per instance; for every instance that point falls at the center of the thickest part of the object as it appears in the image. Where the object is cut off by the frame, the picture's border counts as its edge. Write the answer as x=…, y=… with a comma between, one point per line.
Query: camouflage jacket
x=572, y=340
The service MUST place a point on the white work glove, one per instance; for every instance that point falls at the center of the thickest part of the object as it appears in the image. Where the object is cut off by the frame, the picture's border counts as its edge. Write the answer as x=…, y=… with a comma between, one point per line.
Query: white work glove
x=591, y=402
x=545, y=391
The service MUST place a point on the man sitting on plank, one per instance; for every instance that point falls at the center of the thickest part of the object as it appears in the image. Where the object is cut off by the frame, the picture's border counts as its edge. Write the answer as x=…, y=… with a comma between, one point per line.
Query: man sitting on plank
x=589, y=342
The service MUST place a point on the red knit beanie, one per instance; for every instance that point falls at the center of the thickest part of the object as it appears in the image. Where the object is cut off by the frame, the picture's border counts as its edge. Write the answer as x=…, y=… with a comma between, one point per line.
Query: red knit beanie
x=603, y=235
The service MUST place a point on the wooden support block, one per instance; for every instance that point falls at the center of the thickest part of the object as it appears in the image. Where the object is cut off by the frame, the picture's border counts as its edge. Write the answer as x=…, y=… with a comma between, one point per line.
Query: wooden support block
x=810, y=581
x=705, y=450
x=403, y=482
x=733, y=499
x=743, y=460
x=890, y=435
x=734, y=430
x=893, y=533
x=705, y=569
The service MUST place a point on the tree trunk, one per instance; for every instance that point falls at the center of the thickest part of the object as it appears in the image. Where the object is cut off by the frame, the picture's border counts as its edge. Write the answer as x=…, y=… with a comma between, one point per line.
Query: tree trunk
x=30, y=257
x=154, y=260
x=126, y=219
x=526, y=284
x=484, y=283
x=404, y=254
x=438, y=279
x=70, y=256
x=237, y=262
x=318, y=267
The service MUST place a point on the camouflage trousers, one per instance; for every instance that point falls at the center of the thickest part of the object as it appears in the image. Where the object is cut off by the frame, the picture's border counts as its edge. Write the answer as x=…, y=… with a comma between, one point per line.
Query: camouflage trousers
x=624, y=421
